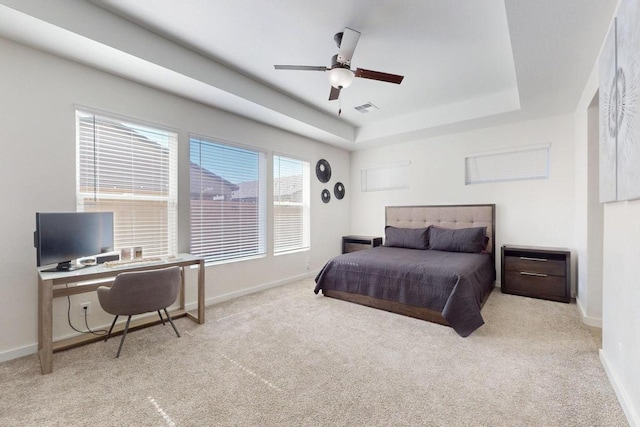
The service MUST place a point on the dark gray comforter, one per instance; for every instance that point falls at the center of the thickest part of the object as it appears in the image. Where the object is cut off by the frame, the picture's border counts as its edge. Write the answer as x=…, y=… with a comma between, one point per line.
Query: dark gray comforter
x=452, y=283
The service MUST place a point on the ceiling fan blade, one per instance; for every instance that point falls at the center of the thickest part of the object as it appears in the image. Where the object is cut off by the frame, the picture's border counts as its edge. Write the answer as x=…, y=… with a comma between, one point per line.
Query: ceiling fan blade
x=377, y=75
x=301, y=67
x=334, y=94
x=348, y=45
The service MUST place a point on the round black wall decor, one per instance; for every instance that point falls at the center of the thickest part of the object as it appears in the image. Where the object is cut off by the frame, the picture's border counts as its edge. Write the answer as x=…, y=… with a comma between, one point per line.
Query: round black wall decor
x=338, y=190
x=323, y=170
x=326, y=196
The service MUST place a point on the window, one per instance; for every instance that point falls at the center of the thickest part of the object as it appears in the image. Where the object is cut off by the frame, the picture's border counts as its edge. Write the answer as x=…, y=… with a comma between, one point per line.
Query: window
x=387, y=177
x=129, y=169
x=513, y=164
x=228, y=201
x=290, y=204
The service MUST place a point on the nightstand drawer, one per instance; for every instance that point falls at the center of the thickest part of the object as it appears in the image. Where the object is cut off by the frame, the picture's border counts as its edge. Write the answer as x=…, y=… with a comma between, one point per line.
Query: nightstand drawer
x=538, y=264
x=352, y=247
x=535, y=284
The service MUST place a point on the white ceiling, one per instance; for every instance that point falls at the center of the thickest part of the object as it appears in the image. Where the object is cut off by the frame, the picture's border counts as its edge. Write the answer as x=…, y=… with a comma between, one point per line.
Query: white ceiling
x=466, y=64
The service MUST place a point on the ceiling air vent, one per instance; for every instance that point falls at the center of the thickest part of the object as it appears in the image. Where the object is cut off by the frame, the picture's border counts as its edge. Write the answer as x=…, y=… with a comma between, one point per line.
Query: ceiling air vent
x=365, y=108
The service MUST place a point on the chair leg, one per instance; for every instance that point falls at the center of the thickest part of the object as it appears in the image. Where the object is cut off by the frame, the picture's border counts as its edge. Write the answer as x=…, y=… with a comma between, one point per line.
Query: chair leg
x=124, y=335
x=171, y=321
x=110, y=329
x=160, y=314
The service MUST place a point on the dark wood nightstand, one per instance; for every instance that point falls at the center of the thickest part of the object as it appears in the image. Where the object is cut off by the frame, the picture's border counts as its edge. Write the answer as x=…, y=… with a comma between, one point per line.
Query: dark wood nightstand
x=537, y=272
x=358, y=243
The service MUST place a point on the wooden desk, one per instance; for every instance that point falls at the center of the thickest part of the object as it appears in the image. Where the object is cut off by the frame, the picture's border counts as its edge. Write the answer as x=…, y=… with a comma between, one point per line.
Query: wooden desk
x=47, y=292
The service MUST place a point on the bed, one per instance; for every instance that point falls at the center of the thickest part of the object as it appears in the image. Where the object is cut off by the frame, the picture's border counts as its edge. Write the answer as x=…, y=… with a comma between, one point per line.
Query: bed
x=437, y=264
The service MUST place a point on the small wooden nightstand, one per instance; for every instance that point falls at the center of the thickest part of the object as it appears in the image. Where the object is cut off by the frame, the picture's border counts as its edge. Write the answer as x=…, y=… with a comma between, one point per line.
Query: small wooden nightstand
x=537, y=272
x=358, y=243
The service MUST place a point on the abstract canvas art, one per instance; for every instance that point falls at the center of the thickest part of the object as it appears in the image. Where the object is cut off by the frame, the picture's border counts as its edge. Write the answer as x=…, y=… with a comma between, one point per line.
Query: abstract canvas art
x=628, y=87
x=619, y=115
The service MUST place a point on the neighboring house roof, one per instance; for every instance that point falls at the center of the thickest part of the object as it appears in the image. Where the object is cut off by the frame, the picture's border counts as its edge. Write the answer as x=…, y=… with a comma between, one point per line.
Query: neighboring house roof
x=115, y=144
x=212, y=185
x=246, y=191
x=288, y=187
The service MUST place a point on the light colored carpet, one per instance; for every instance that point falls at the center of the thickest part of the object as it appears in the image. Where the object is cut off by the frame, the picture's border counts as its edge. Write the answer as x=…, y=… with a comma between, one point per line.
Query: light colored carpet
x=288, y=357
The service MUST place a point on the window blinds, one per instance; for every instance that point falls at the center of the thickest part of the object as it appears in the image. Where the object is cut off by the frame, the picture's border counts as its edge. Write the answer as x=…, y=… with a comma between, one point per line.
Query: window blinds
x=518, y=163
x=291, y=198
x=387, y=177
x=228, y=201
x=131, y=170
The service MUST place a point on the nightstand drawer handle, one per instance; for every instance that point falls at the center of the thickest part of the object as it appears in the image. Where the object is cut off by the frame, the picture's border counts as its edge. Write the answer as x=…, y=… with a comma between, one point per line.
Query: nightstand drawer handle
x=526, y=258
x=526, y=273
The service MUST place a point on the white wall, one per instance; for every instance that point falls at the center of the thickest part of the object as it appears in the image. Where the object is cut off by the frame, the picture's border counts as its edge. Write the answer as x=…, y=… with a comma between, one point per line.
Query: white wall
x=621, y=310
x=37, y=169
x=588, y=211
x=534, y=212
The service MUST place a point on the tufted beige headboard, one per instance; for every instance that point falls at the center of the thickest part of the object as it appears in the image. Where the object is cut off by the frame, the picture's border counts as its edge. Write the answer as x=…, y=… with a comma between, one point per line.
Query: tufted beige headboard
x=448, y=216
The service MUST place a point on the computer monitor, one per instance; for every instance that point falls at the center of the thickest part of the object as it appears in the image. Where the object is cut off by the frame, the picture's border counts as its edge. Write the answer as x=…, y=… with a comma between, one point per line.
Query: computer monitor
x=62, y=237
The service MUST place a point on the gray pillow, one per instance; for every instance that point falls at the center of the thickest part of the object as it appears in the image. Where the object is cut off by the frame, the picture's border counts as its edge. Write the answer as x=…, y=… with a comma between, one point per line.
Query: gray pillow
x=410, y=238
x=471, y=240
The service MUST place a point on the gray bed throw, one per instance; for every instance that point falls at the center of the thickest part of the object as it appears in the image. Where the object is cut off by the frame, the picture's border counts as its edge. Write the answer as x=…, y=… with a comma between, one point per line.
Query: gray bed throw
x=452, y=283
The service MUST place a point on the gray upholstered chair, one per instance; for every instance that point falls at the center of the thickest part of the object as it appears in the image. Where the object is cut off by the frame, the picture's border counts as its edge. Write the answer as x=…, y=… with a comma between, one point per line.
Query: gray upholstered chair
x=140, y=292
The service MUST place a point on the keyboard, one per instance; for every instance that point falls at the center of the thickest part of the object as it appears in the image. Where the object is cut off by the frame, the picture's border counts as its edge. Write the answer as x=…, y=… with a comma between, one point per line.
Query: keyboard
x=121, y=262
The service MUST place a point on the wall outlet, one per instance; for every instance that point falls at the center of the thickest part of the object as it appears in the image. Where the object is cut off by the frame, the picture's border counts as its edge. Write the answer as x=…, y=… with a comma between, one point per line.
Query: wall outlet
x=85, y=307
x=308, y=263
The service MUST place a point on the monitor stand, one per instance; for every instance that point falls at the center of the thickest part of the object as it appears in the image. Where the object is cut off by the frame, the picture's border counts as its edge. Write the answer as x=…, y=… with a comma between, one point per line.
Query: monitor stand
x=64, y=266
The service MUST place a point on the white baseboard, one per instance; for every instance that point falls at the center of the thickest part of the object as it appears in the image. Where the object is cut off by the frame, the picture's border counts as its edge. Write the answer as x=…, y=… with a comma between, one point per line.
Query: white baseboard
x=589, y=321
x=18, y=352
x=627, y=405
x=248, y=291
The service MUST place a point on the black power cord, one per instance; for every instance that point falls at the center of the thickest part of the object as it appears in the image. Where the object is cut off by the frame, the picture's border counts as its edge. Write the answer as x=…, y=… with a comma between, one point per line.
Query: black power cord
x=98, y=332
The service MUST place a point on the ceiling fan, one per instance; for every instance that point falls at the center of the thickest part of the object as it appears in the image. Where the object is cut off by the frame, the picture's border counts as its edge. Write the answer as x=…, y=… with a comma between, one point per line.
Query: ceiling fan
x=340, y=73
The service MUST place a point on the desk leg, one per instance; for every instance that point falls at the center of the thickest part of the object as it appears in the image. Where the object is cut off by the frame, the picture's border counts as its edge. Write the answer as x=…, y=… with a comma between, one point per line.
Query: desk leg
x=199, y=317
x=45, y=326
x=201, y=292
x=182, y=288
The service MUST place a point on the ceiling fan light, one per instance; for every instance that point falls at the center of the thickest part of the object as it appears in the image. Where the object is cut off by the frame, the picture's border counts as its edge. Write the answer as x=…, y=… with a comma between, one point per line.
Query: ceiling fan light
x=340, y=78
